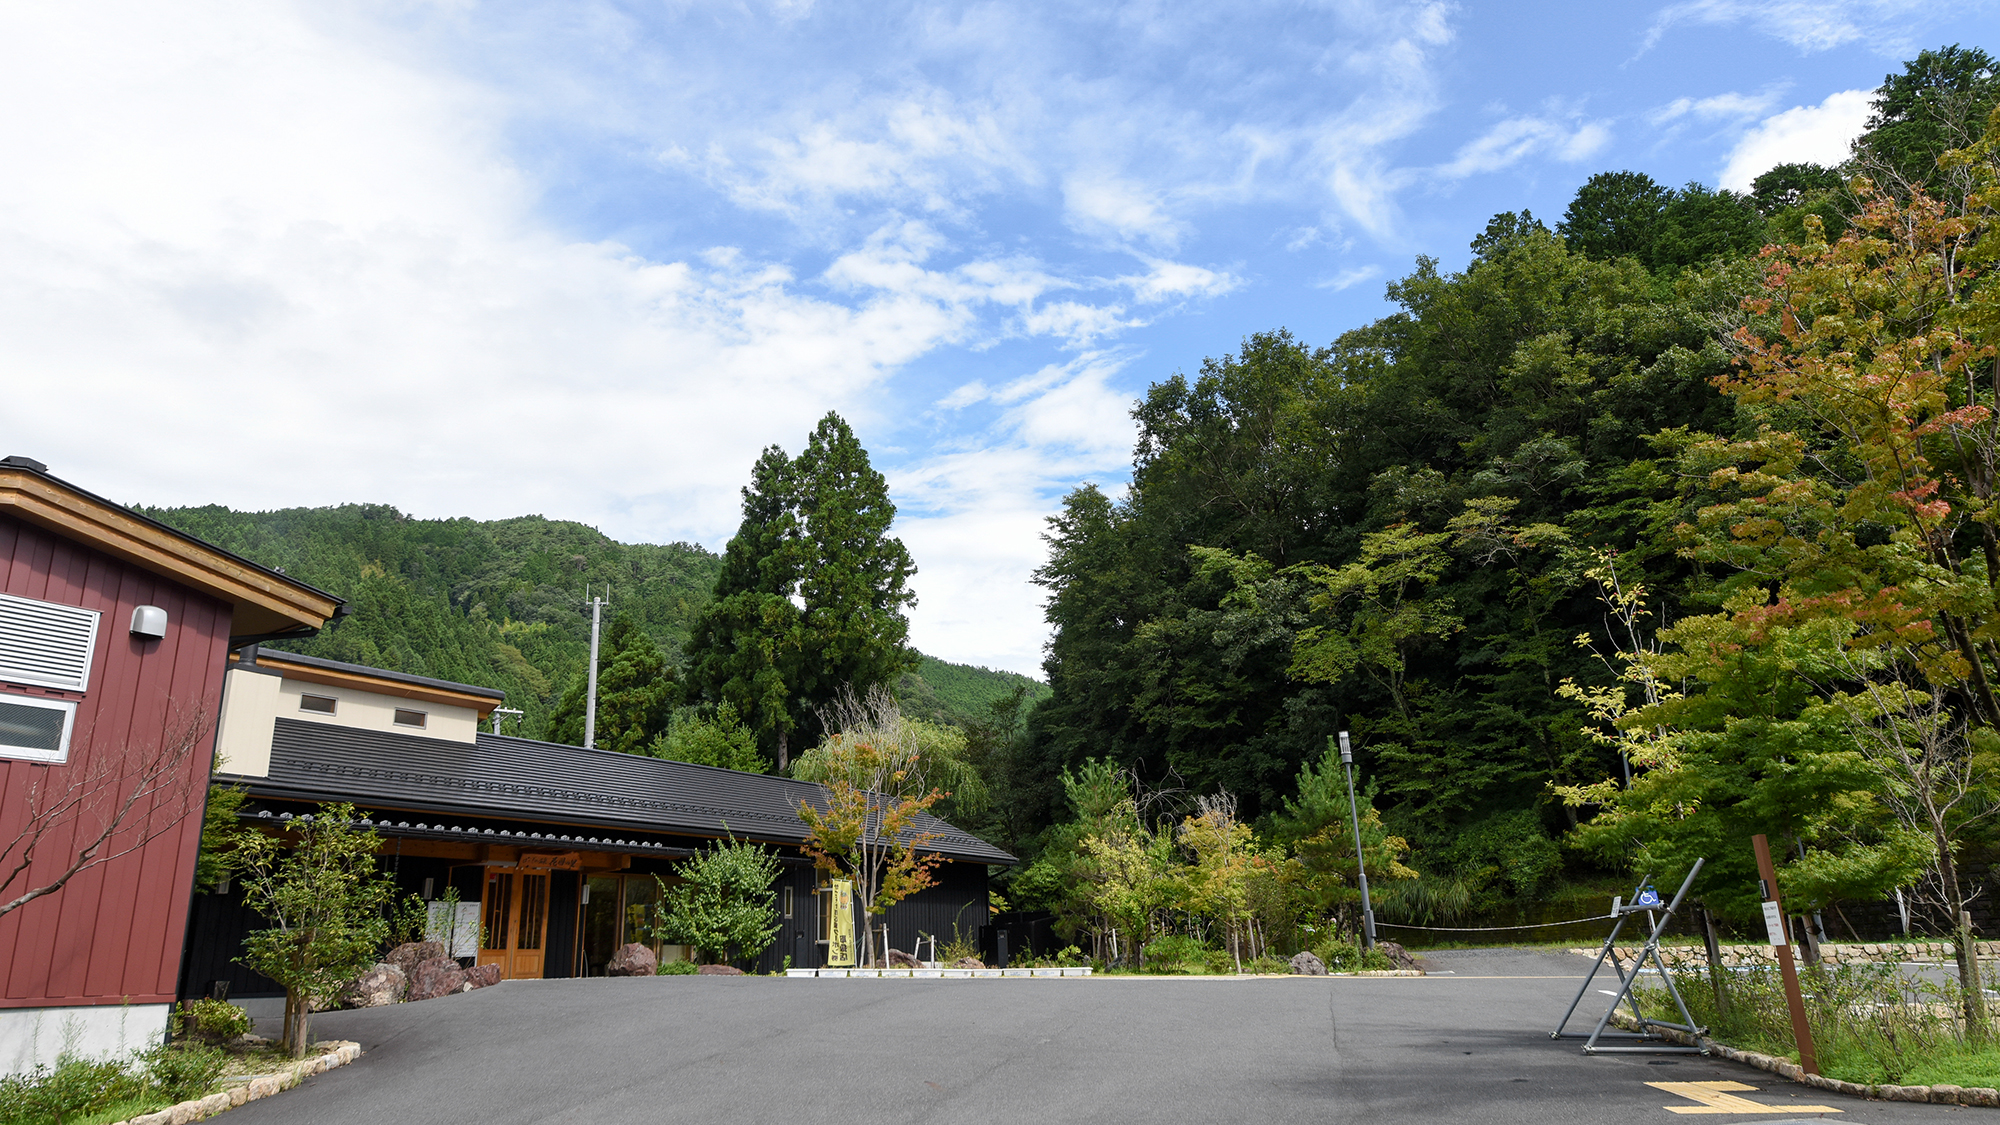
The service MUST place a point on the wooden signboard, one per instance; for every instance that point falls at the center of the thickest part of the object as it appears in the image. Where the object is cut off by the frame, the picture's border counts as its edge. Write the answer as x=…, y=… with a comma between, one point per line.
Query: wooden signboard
x=840, y=911
x=551, y=861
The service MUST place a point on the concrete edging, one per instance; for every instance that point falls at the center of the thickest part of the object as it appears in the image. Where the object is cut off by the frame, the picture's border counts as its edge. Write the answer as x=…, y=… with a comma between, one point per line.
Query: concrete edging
x=1943, y=1094
x=256, y=1087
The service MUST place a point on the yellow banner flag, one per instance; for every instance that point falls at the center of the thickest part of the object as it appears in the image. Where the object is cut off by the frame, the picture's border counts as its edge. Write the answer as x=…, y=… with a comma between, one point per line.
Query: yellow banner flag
x=840, y=907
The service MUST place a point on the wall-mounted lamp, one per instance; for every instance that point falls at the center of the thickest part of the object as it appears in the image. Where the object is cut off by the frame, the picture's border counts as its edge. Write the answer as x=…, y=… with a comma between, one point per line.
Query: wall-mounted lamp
x=149, y=621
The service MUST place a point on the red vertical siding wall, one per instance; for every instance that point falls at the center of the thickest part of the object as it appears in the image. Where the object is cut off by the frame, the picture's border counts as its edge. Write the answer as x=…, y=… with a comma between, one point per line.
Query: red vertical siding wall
x=114, y=933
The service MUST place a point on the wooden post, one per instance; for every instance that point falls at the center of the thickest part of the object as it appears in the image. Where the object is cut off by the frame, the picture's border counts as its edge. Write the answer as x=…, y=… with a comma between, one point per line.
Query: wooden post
x=1774, y=923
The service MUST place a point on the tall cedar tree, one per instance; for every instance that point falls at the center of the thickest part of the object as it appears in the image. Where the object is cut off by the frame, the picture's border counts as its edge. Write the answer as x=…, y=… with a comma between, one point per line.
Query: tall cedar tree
x=812, y=593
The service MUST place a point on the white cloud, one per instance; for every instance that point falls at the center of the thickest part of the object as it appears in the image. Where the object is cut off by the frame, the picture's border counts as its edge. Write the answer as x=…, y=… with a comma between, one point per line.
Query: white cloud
x=1731, y=106
x=974, y=517
x=1809, y=25
x=1170, y=281
x=1517, y=138
x=1114, y=207
x=1818, y=134
x=1349, y=278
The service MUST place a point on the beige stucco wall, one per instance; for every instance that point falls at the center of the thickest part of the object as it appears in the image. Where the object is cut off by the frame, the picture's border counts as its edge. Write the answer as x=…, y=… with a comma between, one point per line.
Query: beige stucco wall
x=250, y=703
x=369, y=711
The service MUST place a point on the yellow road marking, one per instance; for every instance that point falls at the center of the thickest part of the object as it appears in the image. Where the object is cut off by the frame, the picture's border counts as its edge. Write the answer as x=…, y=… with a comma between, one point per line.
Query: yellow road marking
x=1714, y=1098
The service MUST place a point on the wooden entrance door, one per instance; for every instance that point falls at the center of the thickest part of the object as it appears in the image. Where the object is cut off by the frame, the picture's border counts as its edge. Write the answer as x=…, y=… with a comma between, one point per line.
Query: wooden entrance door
x=514, y=914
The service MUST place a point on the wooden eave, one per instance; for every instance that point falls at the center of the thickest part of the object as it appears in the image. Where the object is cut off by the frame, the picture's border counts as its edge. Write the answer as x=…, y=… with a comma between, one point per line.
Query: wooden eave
x=378, y=685
x=263, y=602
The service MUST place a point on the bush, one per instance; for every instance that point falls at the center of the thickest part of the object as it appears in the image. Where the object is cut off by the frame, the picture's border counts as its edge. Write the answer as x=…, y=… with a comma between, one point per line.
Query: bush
x=72, y=1088
x=212, y=1021
x=1218, y=961
x=1171, y=952
x=678, y=968
x=1343, y=956
x=1267, y=964
x=181, y=1071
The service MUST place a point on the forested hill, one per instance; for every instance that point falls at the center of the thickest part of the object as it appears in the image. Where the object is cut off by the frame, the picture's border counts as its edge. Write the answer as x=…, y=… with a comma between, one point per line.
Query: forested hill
x=500, y=602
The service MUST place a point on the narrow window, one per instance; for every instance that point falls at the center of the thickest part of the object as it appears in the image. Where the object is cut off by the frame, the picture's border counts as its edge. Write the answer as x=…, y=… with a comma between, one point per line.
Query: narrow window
x=406, y=718
x=788, y=902
x=825, y=897
x=35, y=729
x=323, y=704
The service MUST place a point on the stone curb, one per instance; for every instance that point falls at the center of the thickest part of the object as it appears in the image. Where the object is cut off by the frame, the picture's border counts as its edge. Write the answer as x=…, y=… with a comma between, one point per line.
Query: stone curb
x=259, y=1086
x=1943, y=1094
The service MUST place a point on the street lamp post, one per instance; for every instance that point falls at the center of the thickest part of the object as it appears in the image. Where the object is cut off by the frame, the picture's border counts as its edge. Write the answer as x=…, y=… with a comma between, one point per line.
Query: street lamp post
x=1360, y=865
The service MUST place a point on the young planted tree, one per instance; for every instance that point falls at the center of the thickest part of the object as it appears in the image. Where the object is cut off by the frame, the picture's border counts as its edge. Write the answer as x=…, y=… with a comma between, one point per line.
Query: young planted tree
x=722, y=906
x=314, y=879
x=875, y=781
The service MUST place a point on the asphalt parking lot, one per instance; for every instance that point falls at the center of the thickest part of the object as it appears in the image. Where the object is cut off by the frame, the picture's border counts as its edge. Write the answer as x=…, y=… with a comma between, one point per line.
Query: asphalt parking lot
x=1468, y=1043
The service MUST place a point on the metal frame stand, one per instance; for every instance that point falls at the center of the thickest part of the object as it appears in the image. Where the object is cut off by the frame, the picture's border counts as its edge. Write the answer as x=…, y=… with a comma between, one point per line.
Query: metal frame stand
x=1626, y=979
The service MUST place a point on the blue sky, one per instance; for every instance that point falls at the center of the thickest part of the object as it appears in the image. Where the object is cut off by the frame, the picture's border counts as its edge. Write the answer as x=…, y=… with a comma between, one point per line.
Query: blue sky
x=585, y=259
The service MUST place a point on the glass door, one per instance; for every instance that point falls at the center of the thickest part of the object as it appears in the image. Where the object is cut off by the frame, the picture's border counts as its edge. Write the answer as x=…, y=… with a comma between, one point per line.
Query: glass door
x=514, y=923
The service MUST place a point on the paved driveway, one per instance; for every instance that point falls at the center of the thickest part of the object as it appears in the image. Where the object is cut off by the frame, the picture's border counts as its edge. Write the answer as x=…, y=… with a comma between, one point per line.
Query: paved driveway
x=1472, y=1046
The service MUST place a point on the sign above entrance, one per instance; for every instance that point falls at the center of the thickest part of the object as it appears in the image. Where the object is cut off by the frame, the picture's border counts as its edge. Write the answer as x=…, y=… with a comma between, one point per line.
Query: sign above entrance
x=551, y=861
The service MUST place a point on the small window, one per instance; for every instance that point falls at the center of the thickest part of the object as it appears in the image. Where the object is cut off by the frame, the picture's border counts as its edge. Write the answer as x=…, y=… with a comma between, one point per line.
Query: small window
x=407, y=718
x=323, y=704
x=788, y=902
x=34, y=729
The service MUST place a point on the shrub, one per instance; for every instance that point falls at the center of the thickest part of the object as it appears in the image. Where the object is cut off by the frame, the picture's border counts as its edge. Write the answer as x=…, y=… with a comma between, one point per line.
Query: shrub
x=72, y=1088
x=1218, y=961
x=678, y=968
x=1344, y=956
x=1266, y=964
x=212, y=1021
x=181, y=1071
x=1174, y=951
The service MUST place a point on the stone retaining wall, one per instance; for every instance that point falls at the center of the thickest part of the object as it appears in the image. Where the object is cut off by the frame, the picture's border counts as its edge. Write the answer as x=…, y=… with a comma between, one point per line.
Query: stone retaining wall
x=252, y=1088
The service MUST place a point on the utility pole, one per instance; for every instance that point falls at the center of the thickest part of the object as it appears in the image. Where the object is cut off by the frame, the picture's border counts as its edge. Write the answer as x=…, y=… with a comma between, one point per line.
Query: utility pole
x=1360, y=865
x=590, y=699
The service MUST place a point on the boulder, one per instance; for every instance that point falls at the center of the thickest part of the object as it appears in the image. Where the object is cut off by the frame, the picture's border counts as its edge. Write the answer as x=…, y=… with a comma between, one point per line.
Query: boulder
x=479, y=976
x=633, y=960
x=437, y=977
x=901, y=960
x=1307, y=965
x=720, y=971
x=410, y=954
x=1397, y=954
x=383, y=984
x=968, y=963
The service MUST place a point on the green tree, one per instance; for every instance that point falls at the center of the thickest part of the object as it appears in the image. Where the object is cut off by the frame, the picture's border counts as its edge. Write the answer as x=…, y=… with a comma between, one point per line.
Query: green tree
x=812, y=594
x=315, y=880
x=1615, y=215
x=636, y=694
x=722, y=905
x=719, y=740
x=1939, y=102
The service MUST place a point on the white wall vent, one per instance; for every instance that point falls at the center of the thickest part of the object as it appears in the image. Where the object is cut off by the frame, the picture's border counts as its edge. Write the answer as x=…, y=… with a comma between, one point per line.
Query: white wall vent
x=46, y=644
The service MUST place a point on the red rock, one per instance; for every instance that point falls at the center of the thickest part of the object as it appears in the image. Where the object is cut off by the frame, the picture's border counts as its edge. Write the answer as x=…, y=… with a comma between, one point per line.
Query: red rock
x=479, y=976
x=410, y=954
x=720, y=971
x=437, y=977
x=633, y=960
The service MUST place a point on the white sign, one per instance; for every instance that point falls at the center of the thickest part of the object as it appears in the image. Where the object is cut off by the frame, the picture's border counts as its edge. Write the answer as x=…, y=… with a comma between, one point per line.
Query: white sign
x=1774, y=924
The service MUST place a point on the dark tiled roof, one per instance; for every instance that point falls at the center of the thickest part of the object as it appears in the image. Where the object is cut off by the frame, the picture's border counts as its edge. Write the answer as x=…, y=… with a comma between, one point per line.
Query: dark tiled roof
x=304, y=661
x=543, y=781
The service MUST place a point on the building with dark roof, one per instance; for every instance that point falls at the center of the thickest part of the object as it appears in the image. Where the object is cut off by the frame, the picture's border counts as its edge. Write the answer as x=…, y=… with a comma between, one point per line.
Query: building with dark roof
x=554, y=850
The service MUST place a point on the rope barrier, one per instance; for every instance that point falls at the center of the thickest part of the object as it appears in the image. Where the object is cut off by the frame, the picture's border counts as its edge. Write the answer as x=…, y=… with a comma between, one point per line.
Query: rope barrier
x=1488, y=929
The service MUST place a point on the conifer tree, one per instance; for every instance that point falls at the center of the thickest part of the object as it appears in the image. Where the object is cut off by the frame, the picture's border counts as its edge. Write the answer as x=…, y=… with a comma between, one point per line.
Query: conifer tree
x=812, y=593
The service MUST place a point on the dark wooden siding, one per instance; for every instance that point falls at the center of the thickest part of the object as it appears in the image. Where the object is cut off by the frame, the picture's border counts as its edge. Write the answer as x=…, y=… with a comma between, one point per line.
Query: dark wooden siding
x=114, y=934
x=956, y=899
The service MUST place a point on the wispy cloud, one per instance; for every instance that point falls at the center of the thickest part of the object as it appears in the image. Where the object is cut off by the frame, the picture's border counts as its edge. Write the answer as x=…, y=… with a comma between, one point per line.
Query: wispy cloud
x=1808, y=25
x=1727, y=107
x=1349, y=278
x=1517, y=138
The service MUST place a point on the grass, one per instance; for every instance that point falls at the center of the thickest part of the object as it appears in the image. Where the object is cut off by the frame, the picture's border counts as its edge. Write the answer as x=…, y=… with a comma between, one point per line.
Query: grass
x=1871, y=1023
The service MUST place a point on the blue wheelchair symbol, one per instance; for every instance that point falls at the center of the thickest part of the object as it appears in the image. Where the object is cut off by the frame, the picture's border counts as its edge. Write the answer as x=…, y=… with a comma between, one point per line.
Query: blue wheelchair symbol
x=1647, y=897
